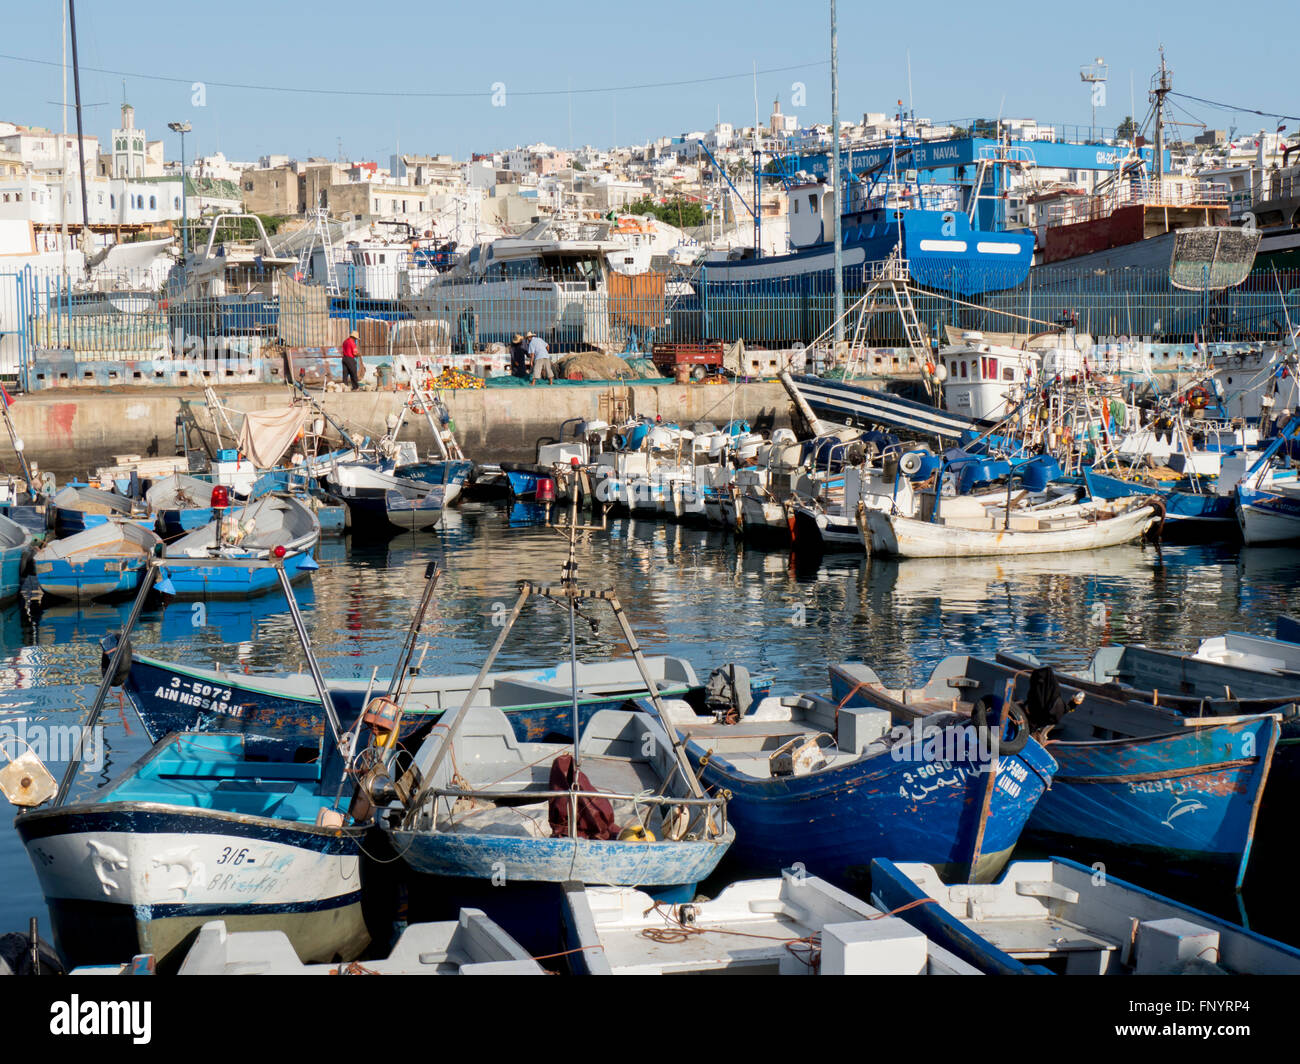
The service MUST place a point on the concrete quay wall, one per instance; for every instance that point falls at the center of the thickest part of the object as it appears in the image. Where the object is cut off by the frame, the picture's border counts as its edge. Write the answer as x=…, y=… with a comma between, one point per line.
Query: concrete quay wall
x=73, y=431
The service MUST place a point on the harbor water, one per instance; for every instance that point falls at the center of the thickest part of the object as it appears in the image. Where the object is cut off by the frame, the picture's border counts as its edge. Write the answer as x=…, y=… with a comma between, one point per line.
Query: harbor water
x=693, y=593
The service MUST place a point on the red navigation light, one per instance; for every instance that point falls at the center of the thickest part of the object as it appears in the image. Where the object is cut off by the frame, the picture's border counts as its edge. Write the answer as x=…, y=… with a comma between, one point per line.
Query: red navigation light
x=220, y=497
x=279, y=551
x=574, y=462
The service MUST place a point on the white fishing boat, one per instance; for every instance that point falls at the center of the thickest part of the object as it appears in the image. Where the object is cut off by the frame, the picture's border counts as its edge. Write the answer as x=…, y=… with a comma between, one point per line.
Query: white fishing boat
x=1059, y=916
x=555, y=288
x=470, y=945
x=968, y=526
x=797, y=924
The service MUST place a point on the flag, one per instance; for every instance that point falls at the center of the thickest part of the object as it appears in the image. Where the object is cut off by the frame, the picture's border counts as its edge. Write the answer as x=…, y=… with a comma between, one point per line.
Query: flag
x=4, y=396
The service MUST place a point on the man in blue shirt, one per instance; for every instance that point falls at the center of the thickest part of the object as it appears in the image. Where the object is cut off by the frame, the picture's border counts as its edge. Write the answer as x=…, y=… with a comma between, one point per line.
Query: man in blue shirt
x=541, y=358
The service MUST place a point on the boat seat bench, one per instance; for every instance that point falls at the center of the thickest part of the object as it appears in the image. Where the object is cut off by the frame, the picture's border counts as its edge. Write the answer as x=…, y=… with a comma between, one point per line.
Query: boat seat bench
x=167, y=768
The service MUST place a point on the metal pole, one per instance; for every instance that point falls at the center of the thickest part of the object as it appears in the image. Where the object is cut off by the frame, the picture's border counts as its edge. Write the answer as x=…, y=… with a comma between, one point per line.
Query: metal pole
x=185, y=225
x=428, y=772
x=106, y=683
x=326, y=702
x=838, y=191
x=81, y=142
x=653, y=690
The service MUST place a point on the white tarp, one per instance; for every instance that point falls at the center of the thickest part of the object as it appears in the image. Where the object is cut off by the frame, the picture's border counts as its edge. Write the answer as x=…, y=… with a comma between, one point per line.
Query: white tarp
x=266, y=434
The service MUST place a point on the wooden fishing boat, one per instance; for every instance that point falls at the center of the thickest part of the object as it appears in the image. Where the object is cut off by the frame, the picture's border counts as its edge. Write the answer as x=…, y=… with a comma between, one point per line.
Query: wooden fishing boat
x=1059, y=916
x=107, y=559
x=497, y=805
x=1138, y=783
x=174, y=696
x=201, y=827
x=180, y=503
x=191, y=831
x=279, y=524
x=795, y=925
x=969, y=527
x=79, y=507
x=15, y=553
x=835, y=786
x=470, y=945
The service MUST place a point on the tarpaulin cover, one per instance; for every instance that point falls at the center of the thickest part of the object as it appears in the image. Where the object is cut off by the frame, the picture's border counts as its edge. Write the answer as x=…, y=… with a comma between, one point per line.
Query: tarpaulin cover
x=267, y=434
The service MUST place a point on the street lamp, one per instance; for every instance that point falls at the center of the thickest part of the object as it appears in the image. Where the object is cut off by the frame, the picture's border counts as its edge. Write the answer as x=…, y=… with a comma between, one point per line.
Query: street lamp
x=1094, y=76
x=182, y=128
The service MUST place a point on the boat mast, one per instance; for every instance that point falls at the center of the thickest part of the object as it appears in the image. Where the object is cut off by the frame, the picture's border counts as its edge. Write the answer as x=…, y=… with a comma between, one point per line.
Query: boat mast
x=838, y=191
x=1158, y=94
x=63, y=147
x=81, y=141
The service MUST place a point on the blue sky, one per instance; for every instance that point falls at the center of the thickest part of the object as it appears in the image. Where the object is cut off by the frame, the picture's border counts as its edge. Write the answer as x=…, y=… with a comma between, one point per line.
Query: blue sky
x=967, y=60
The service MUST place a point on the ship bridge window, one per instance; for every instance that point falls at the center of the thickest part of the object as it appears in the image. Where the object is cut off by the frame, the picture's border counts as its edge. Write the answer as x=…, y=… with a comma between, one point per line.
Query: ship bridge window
x=812, y=204
x=1008, y=373
x=796, y=206
x=963, y=369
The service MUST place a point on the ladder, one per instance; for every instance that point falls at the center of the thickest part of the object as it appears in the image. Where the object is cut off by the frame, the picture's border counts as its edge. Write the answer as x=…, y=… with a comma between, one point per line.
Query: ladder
x=320, y=236
x=890, y=290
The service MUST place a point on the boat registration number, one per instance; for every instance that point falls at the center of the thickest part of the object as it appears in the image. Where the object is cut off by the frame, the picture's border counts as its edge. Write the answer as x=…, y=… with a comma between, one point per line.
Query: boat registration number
x=197, y=694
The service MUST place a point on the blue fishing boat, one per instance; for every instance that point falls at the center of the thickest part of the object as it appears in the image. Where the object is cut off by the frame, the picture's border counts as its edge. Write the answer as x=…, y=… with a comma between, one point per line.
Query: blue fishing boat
x=173, y=696
x=501, y=804
x=200, y=828
x=15, y=551
x=180, y=504
x=107, y=559
x=1138, y=783
x=196, y=831
x=279, y=524
x=835, y=786
x=79, y=507
x=1057, y=916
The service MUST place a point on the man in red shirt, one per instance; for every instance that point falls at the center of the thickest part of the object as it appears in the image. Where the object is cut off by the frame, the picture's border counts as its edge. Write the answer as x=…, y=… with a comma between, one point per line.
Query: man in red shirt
x=349, y=353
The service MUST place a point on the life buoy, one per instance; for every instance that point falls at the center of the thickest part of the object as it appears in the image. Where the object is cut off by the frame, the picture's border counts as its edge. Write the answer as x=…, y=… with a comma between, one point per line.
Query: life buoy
x=1016, y=718
x=1198, y=398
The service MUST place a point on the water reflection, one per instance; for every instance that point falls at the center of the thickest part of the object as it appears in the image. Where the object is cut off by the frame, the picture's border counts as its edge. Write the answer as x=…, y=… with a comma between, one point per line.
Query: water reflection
x=691, y=592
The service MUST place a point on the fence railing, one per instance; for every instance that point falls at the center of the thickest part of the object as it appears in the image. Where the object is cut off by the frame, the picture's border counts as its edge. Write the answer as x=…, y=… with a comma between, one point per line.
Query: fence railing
x=41, y=317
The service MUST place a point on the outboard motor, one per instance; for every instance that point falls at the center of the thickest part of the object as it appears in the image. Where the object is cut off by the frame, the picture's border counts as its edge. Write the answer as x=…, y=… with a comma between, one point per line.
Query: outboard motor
x=727, y=695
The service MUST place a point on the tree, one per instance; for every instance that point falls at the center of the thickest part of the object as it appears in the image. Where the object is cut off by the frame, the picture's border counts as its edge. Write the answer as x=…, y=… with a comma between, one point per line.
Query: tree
x=1127, y=129
x=678, y=211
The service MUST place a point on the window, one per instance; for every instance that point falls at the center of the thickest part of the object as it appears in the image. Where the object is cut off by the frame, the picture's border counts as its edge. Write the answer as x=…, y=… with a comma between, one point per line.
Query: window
x=991, y=370
x=812, y=203
x=796, y=206
x=248, y=186
x=963, y=369
x=176, y=202
x=1008, y=373
x=153, y=203
x=112, y=202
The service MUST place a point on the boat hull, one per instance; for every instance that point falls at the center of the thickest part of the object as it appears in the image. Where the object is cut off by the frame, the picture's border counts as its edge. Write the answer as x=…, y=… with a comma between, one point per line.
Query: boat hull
x=531, y=860
x=836, y=821
x=92, y=578
x=1190, y=798
x=199, y=581
x=171, y=698
x=906, y=537
x=127, y=878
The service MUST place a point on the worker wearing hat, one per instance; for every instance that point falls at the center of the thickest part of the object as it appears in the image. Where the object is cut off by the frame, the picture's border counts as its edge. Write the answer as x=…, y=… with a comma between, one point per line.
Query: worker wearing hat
x=350, y=361
x=541, y=358
x=519, y=357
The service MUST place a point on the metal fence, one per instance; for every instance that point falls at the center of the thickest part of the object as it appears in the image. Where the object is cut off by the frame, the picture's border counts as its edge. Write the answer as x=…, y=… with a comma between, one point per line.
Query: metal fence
x=41, y=316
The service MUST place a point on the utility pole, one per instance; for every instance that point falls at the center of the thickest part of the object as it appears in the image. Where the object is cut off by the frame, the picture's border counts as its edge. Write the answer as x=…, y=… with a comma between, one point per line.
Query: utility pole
x=838, y=192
